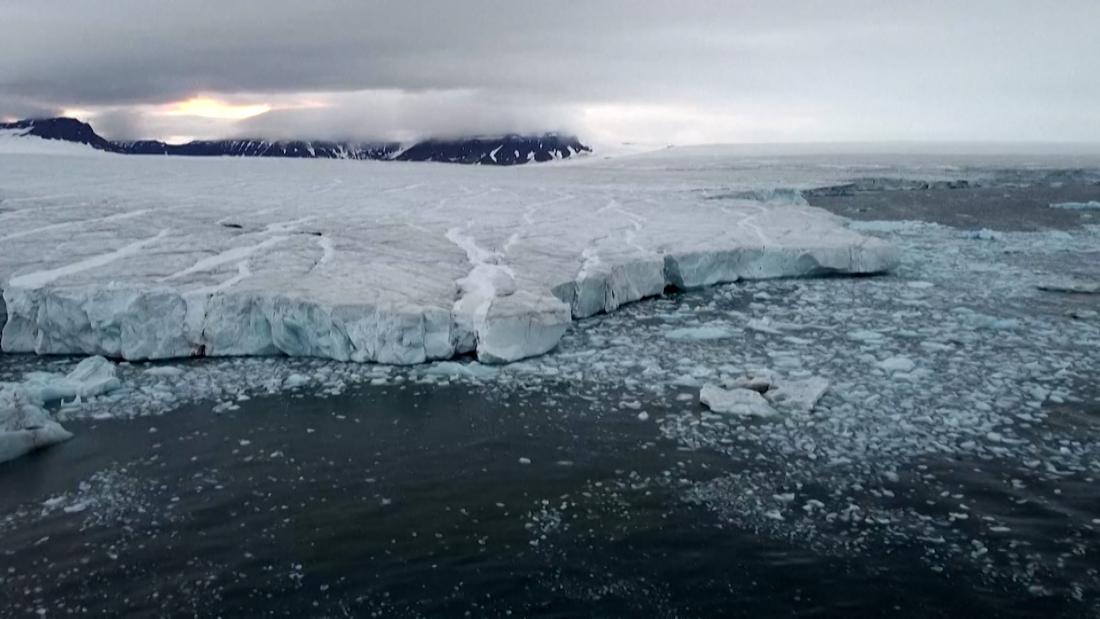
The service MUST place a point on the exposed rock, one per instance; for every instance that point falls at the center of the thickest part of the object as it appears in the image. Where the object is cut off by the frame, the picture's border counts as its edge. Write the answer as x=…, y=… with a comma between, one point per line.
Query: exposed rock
x=503, y=150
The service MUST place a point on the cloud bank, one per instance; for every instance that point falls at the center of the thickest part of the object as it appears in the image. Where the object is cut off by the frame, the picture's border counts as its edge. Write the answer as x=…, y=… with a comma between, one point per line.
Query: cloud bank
x=684, y=72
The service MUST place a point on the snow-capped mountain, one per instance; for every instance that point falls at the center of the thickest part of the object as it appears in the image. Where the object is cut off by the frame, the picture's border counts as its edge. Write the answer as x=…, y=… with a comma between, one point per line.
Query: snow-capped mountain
x=504, y=150
x=64, y=129
x=300, y=149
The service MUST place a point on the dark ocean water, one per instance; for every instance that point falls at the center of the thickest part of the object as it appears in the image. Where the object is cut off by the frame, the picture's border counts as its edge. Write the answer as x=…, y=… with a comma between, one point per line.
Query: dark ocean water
x=415, y=502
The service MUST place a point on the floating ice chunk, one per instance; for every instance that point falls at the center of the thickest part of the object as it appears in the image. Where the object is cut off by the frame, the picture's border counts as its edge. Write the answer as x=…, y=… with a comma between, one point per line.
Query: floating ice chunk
x=1078, y=206
x=764, y=325
x=978, y=320
x=760, y=381
x=897, y=364
x=798, y=395
x=24, y=424
x=865, y=335
x=742, y=402
x=164, y=370
x=707, y=332
x=91, y=377
x=461, y=370
x=984, y=234
x=295, y=380
x=1070, y=287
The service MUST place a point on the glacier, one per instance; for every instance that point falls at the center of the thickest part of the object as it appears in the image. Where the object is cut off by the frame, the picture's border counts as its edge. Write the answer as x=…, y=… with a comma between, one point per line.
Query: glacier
x=165, y=257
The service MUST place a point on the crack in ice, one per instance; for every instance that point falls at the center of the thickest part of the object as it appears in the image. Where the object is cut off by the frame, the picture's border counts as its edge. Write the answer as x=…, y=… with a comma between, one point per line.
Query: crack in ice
x=41, y=278
x=82, y=222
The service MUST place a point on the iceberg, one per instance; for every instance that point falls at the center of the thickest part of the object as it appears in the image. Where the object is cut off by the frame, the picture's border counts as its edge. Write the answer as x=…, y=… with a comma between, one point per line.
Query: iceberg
x=391, y=263
x=91, y=377
x=24, y=424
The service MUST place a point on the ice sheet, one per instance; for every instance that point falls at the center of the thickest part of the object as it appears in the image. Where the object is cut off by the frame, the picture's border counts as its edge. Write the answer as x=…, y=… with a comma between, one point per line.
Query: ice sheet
x=162, y=257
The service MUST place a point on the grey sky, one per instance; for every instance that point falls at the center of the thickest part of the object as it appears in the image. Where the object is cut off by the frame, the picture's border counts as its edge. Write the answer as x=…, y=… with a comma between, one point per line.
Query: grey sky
x=651, y=71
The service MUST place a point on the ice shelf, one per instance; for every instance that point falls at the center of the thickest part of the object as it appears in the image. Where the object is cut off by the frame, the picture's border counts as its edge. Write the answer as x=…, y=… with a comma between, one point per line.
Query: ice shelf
x=160, y=257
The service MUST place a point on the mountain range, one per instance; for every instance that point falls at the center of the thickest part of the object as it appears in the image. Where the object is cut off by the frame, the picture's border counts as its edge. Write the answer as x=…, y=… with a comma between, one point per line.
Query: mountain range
x=503, y=150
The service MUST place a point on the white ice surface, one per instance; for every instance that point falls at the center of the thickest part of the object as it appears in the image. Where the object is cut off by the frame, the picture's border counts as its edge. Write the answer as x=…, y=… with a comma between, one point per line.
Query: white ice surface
x=161, y=257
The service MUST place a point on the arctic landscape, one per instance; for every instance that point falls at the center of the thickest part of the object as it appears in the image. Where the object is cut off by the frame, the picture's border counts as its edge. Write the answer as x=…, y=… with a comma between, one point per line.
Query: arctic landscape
x=675, y=336
x=480, y=309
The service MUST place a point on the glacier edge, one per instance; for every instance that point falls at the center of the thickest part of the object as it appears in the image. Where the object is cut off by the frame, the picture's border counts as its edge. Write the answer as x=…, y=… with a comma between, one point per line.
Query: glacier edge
x=158, y=322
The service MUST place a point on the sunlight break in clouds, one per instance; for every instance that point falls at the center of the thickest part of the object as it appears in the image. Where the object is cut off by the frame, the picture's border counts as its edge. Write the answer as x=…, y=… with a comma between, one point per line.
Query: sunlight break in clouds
x=206, y=107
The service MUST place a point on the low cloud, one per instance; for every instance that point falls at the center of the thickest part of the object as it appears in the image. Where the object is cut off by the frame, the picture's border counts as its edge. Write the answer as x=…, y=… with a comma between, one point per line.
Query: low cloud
x=686, y=71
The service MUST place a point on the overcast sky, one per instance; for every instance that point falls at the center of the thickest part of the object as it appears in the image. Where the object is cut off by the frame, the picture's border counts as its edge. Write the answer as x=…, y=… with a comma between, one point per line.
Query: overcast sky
x=664, y=72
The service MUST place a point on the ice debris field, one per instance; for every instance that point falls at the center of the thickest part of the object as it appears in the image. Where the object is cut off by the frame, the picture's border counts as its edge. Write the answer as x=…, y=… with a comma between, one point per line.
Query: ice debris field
x=155, y=258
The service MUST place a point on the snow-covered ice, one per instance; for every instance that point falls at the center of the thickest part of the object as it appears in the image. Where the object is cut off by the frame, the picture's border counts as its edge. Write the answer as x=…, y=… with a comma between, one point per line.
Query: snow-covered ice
x=159, y=257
